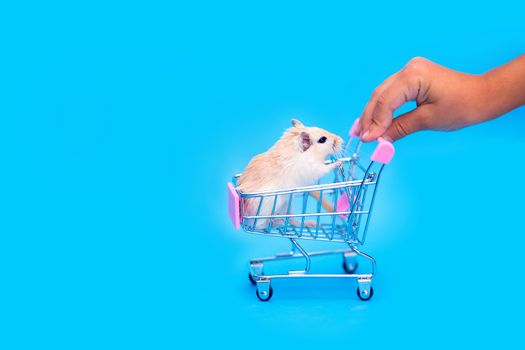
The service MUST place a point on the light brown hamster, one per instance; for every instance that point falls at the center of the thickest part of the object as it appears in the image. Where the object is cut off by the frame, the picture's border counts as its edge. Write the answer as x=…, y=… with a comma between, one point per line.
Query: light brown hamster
x=297, y=159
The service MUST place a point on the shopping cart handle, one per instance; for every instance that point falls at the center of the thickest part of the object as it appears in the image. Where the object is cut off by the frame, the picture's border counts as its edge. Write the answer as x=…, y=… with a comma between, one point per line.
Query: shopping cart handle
x=233, y=206
x=353, y=130
x=384, y=150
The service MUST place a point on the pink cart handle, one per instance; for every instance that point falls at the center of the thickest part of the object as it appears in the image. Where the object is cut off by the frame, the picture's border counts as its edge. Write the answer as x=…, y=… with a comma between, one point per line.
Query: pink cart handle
x=234, y=206
x=353, y=130
x=384, y=151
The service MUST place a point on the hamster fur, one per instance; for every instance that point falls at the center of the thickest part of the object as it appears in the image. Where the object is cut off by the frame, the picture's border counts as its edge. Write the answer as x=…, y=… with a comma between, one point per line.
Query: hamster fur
x=297, y=159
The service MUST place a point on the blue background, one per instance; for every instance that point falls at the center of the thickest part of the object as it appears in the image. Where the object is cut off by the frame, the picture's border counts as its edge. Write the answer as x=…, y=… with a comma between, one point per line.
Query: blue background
x=122, y=122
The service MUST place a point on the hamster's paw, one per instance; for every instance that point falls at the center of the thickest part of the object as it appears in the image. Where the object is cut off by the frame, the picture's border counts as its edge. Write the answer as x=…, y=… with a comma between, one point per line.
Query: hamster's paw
x=335, y=164
x=277, y=222
x=298, y=223
x=311, y=224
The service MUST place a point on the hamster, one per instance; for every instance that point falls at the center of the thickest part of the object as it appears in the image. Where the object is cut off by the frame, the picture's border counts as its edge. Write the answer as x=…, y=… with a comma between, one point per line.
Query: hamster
x=297, y=159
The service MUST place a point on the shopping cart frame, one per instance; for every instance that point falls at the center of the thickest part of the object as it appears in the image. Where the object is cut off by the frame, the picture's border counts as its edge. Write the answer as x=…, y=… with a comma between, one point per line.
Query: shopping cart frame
x=349, y=205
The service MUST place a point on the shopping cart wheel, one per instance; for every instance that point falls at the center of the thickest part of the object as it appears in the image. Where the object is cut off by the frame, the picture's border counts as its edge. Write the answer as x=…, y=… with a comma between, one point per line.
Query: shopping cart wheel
x=264, y=290
x=350, y=267
x=252, y=279
x=265, y=297
x=350, y=262
x=365, y=295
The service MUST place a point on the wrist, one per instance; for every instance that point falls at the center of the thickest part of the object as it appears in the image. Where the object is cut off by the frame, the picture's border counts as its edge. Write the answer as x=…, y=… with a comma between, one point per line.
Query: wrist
x=504, y=88
x=486, y=104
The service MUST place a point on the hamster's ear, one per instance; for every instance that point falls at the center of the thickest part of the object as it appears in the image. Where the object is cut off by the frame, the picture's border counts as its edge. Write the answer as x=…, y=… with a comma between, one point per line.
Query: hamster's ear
x=304, y=141
x=297, y=123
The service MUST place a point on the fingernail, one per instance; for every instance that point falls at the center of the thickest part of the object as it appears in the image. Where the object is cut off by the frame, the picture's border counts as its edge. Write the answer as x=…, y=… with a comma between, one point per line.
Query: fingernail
x=365, y=135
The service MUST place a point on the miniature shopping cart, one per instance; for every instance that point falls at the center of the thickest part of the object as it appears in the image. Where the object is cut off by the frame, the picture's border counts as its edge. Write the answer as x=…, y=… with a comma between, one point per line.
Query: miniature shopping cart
x=338, y=211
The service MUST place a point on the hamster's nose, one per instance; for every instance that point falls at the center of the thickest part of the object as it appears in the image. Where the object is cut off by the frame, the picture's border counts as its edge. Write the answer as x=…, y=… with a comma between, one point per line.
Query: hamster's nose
x=337, y=144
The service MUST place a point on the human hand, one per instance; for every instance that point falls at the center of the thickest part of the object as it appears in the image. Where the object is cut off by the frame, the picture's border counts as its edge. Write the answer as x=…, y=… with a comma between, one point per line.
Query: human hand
x=446, y=100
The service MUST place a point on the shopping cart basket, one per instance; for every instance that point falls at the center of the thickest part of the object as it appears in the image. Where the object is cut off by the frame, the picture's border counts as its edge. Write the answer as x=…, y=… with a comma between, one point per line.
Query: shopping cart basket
x=338, y=211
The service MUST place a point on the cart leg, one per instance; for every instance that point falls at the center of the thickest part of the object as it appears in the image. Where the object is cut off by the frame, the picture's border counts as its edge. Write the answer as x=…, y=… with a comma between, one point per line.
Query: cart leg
x=256, y=270
x=366, y=256
x=306, y=256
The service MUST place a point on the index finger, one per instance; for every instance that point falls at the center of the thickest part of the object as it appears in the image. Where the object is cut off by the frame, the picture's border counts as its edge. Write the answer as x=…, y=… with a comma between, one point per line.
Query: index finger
x=403, y=88
x=365, y=120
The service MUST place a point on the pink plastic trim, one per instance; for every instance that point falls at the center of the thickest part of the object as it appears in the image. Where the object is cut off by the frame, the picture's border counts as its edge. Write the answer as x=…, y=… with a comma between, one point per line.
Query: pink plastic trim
x=353, y=130
x=343, y=205
x=233, y=206
x=383, y=152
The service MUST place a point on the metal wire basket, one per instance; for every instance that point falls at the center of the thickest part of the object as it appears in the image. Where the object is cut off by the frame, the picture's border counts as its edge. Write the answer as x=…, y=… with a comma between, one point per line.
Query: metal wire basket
x=338, y=211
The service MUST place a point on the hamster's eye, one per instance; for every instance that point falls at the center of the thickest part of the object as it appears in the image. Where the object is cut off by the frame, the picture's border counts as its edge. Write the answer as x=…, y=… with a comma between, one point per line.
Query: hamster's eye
x=322, y=139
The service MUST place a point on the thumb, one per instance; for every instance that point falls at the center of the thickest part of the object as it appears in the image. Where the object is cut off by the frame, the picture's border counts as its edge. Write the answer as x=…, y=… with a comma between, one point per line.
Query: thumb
x=410, y=122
